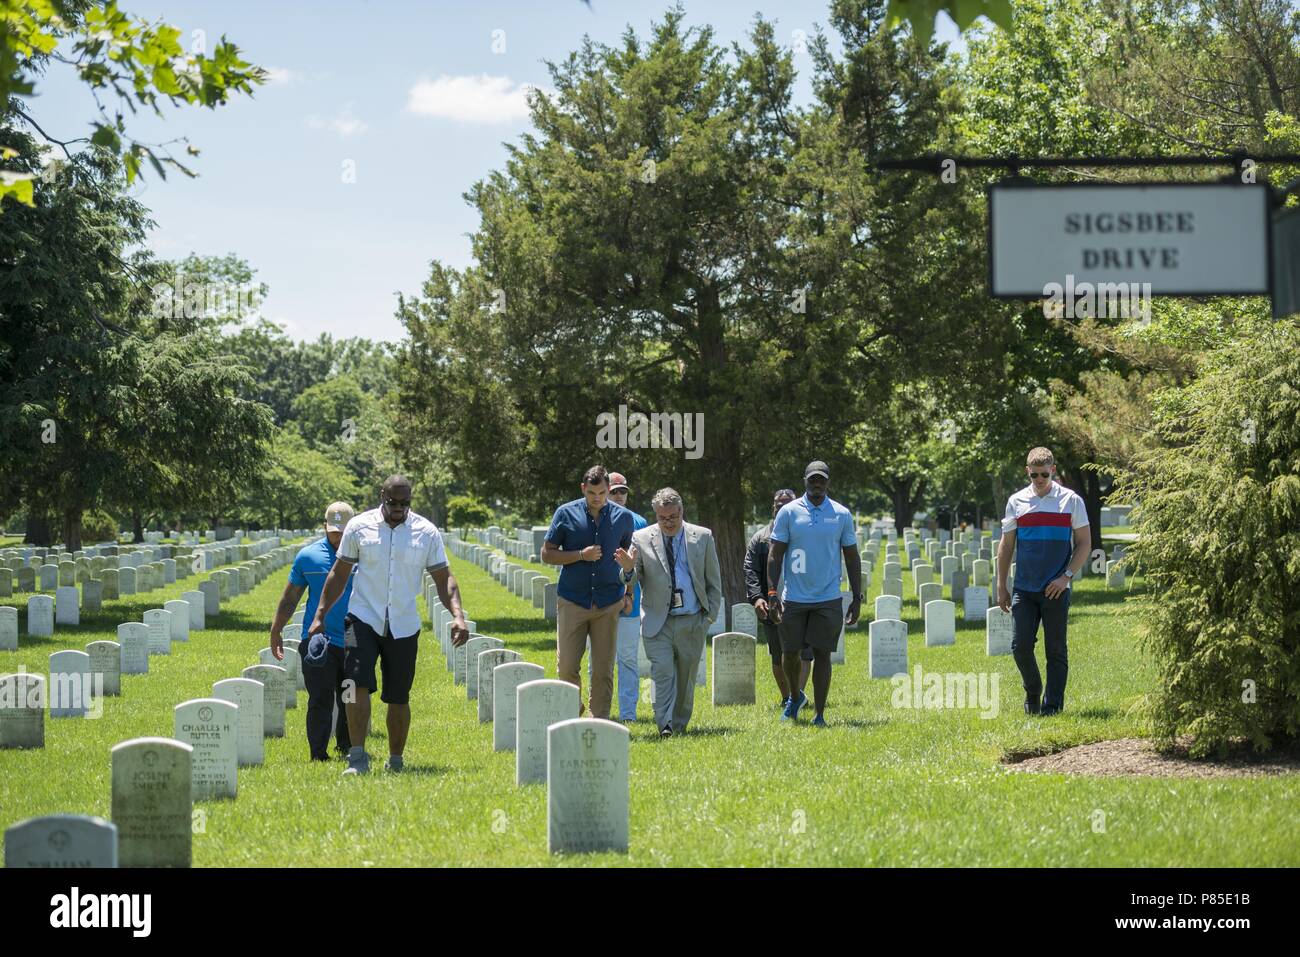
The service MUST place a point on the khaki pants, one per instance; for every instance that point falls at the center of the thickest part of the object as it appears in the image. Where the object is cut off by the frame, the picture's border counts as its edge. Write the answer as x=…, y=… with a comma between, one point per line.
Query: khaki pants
x=574, y=625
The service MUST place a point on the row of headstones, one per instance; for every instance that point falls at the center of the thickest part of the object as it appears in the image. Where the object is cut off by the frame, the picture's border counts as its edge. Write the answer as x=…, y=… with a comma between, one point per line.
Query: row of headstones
x=64, y=608
x=583, y=762
x=155, y=781
x=78, y=677
x=524, y=582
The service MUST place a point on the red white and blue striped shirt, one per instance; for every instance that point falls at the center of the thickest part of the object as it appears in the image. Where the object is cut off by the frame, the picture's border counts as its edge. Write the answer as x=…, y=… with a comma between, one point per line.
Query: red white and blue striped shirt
x=1044, y=530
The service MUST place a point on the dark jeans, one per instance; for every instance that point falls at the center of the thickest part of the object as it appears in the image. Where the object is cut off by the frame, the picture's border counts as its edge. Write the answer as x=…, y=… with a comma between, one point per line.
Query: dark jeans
x=1028, y=608
x=324, y=690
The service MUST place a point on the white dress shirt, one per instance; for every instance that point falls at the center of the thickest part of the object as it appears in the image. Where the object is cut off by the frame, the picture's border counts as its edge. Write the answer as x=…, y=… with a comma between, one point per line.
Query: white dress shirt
x=390, y=562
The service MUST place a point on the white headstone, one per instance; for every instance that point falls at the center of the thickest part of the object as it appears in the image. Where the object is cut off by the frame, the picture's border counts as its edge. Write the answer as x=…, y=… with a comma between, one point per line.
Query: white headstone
x=133, y=636
x=267, y=657
x=67, y=605
x=272, y=678
x=198, y=605
x=211, y=597
x=159, y=623
x=540, y=704
x=8, y=628
x=70, y=689
x=506, y=679
x=210, y=725
x=734, y=669
x=588, y=796
x=887, y=648
x=974, y=603
x=487, y=663
x=106, y=661
x=61, y=840
x=999, y=629
x=928, y=593
x=40, y=616
x=22, y=716
x=744, y=619
x=471, y=650
x=246, y=693
x=940, y=623
x=889, y=607
x=180, y=612
x=152, y=806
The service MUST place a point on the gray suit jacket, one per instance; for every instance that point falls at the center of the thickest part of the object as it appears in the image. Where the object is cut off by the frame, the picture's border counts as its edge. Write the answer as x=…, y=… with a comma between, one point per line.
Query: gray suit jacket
x=652, y=572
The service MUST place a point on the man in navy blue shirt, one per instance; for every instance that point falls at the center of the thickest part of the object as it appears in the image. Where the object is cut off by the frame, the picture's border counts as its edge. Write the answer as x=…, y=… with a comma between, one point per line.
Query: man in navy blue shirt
x=582, y=539
x=325, y=683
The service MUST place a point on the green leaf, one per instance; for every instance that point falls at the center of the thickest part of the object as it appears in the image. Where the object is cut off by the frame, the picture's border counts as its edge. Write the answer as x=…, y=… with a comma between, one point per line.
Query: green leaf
x=106, y=136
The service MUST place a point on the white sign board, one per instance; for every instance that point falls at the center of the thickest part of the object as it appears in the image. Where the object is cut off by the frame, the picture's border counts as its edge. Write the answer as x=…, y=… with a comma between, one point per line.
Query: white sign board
x=1185, y=239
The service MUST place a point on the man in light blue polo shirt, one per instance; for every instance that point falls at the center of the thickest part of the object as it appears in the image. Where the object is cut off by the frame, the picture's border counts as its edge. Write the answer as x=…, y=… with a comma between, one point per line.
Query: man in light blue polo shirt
x=629, y=621
x=809, y=537
x=324, y=682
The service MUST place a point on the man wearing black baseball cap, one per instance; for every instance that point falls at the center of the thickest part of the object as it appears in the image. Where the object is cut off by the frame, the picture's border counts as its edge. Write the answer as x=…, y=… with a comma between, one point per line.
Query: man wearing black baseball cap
x=809, y=536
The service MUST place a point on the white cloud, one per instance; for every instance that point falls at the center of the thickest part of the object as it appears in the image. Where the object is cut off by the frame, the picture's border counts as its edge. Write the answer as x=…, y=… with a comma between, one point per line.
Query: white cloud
x=343, y=123
x=470, y=99
x=277, y=75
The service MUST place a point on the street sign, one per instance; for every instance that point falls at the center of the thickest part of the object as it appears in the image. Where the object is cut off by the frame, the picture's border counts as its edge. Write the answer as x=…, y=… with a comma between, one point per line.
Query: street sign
x=1185, y=239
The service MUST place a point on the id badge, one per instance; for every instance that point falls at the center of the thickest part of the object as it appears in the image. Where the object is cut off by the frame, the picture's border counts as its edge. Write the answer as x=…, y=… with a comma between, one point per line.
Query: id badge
x=678, y=600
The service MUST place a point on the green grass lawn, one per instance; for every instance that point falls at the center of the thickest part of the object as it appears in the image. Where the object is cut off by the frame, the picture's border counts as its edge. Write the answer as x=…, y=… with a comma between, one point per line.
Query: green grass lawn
x=881, y=786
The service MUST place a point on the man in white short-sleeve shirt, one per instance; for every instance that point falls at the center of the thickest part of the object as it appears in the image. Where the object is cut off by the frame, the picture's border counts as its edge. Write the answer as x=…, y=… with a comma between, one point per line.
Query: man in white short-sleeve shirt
x=391, y=547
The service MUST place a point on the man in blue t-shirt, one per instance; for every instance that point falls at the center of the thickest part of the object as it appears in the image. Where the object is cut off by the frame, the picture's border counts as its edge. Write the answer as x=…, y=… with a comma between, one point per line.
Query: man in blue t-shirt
x=324, y=683
x=809, y=537
x=629, y=622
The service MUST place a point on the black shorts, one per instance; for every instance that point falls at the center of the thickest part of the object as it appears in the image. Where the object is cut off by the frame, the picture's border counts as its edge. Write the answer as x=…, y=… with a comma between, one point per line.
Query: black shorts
x=362, y=646
x=816, y=626
x=773, y=635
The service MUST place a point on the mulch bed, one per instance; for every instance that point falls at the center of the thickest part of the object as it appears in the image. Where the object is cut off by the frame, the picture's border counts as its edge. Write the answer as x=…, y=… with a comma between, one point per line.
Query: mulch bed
x=1139, y=757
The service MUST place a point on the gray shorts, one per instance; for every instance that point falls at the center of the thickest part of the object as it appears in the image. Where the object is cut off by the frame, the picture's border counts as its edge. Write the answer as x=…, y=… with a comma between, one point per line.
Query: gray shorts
x=815, y=626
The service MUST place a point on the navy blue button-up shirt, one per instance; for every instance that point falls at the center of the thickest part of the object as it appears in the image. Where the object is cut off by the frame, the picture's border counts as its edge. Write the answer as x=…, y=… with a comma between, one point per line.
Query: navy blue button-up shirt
x=591, y=584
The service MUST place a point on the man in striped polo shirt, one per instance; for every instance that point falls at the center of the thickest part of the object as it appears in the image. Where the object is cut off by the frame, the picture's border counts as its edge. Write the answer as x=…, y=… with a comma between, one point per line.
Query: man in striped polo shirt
x=1046, y=530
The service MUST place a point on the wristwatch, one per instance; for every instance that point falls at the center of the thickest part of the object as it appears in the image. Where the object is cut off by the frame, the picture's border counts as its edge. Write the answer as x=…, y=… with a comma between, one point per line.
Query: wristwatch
x=1069, y=574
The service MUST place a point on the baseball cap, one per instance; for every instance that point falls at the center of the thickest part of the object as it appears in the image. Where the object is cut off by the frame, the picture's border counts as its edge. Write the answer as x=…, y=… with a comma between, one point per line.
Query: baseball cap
x=337, y=516
x=617, y=480
x=817, y=468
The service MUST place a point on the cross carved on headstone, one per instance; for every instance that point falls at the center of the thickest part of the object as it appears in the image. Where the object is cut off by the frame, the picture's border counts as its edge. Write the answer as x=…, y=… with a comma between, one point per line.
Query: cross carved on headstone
x=589, y=738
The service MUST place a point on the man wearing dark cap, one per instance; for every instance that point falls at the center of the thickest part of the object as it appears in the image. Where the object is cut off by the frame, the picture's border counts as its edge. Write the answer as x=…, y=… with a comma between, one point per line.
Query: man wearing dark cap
x=629, y=620
x=809, y=537
x=756, y=595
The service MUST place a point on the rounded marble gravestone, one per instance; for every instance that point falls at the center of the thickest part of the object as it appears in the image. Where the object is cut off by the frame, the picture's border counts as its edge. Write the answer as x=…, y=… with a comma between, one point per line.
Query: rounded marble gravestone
x=179, y=609
x=734, y=669
x=197, y=605
x=247, y=694
x=8, y=628
x=70, y=687
x=470, y=652
x=40, y=616
x=61, y=840
x=587, y=786
x=106, y=661
x=506, y=679
x=272, y=678
x=999, y=629
x=211, y=727
x=540, y=704
x=744, y=619
x=133, y=636
x=486, y=664
x=22, y=718
x=888, y=607
x=940, y=623
x=887, y=648
x=152, y=804
x=158, y=622
x=290, y=694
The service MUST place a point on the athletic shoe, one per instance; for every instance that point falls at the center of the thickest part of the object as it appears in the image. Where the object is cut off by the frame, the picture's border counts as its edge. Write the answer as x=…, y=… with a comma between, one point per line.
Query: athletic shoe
x=819, y=722
x=665, y=732
x=791, y=712
x=1047, y=712
x=360, y=765
x=394, y=764
x=785, y=702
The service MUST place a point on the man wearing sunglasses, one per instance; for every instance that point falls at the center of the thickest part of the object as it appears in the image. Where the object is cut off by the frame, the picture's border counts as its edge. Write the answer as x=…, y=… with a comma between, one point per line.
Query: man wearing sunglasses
x=391, y=547
x=1046, y=529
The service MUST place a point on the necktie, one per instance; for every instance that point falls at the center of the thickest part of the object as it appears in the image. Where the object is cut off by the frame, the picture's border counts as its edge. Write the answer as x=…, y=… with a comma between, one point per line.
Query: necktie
x=672, y=561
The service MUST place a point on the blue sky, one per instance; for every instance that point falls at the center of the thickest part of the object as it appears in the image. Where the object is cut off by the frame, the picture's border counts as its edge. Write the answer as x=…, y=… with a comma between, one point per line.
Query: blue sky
x=419, y=96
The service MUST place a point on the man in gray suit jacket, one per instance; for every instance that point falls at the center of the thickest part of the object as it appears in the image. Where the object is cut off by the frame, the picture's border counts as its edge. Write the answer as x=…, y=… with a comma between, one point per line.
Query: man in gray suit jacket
x=681, y=595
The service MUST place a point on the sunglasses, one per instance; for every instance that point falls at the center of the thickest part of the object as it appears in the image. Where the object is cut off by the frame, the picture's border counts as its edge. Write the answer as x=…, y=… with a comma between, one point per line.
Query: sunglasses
x=1040, y=474
x=394, y=503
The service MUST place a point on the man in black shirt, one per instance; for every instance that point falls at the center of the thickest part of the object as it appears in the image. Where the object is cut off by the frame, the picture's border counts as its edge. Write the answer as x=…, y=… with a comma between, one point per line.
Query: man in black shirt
x=756, y=592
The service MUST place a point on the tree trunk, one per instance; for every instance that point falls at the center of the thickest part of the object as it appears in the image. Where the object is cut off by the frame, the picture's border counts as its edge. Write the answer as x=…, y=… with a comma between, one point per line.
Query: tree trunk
x=72, y=529
x=38, y=530
x=905, y=498
x=999, y=497
x=1087, y=485
x=137, y=526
